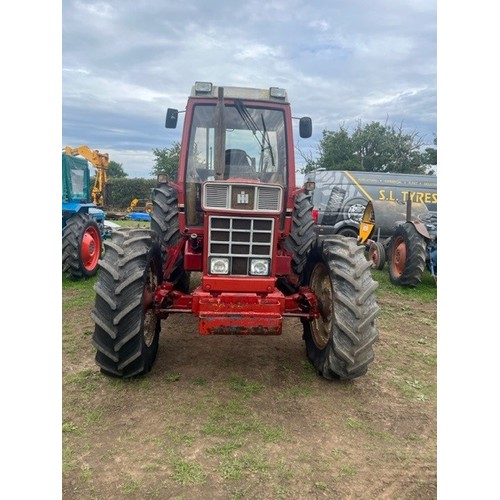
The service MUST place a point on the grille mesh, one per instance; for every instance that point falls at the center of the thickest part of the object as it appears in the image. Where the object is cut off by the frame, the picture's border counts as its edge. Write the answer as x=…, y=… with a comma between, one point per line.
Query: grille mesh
x=268, y=198
x=223, y=196
x=216, y=195
x=240, y=239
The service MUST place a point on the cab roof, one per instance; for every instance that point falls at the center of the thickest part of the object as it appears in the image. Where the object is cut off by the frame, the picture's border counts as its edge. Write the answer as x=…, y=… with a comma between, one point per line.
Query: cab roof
x=272, y=94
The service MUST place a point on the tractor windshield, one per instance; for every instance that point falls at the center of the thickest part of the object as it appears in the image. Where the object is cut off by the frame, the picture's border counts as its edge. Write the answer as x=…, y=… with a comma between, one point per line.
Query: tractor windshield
x=255, y=146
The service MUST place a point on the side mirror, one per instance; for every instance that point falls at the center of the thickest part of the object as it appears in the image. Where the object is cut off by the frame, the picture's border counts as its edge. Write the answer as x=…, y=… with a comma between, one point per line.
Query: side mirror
x=305, y=127
x=171, y=119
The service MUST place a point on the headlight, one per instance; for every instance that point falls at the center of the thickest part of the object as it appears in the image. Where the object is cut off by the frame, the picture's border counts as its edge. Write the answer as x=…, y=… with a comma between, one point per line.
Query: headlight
x=259, y=267
x=219, y=265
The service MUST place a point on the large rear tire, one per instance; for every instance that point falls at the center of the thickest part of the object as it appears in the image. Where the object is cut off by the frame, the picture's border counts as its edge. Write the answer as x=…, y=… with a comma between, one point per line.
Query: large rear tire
x=339, y=343
x=407, y=257
x=81, y=246
x=126, y=328
x=165, y=223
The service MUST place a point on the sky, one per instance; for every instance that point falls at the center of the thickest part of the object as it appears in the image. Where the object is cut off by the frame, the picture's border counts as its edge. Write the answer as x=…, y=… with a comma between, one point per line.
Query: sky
x=342, y=62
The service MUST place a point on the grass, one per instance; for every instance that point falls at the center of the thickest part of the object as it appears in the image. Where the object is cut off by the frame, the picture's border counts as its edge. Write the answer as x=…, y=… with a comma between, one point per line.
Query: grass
x=133, y=223
x=243, y=386
x=238, y=467
x=83, y=292
x=425, y=291
x=186, y=472
x=200, y=429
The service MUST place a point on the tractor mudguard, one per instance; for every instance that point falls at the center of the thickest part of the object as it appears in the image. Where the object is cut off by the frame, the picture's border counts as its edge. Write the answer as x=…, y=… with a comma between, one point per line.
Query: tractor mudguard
x=421, y=229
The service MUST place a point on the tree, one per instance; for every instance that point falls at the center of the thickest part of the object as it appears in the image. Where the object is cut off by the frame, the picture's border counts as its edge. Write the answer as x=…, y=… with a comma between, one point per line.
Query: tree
x=167, y=160
x=429, y=158
x=373, y=148
x=115, y=170
x=340, y=150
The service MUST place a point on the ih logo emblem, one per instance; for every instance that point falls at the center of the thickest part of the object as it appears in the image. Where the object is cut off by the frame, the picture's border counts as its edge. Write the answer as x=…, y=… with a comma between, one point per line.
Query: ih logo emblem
x=242, y=198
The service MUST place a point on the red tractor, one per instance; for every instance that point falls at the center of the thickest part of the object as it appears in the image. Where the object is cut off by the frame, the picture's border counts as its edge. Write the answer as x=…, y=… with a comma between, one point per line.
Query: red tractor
x=235, y=216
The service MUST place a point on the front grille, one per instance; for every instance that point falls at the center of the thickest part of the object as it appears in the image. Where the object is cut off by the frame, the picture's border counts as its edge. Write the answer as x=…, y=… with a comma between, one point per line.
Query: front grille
x=240, y=239
x=243, y=197
x=216, y=195
x=268, y=199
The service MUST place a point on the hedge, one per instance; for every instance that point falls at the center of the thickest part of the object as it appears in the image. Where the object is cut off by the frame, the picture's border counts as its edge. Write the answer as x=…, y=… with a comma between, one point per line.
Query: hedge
x=123, y=191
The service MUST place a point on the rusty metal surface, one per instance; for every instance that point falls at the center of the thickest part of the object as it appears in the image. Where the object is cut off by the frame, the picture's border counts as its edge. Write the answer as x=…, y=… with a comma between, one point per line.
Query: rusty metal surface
x=386, y=215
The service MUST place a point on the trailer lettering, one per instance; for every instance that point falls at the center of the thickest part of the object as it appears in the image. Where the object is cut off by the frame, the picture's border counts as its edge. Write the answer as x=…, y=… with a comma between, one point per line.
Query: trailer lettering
x=419, y=197
x=384, y=197
x=414, y=196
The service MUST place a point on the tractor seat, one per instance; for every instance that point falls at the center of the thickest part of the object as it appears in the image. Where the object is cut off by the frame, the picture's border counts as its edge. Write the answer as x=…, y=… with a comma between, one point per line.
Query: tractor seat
x=238, y=164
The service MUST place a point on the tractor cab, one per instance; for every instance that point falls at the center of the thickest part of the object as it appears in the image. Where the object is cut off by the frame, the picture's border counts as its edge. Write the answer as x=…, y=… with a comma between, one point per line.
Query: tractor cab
x=235, y=134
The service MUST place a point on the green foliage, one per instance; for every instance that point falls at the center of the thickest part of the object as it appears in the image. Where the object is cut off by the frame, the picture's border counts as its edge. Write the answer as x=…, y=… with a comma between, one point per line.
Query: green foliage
x=373, y=148
x=337, y=148
x=167, y=160
x=115, y=170
x=123, y=191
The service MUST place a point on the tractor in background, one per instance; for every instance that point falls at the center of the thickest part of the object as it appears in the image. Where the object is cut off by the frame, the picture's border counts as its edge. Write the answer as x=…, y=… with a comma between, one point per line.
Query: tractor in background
x=405, y=235
x=235, y=216
x=100, y=161
x=83, y=223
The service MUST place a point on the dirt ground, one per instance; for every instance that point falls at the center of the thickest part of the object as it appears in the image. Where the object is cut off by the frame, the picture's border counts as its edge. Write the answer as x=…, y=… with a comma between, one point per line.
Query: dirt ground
x=247, y=417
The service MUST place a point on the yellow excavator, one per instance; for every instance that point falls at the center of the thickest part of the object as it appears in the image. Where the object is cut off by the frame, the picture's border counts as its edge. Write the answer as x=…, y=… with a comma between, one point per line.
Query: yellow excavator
x=100, y=162
x=140, y=205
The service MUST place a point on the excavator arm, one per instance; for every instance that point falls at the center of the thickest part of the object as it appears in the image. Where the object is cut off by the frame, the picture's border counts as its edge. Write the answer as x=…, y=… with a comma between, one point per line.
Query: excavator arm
x=100, y=161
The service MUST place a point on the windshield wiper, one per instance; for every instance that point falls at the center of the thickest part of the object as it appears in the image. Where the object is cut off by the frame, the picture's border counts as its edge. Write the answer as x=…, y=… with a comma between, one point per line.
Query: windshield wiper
x=249, y=121
x=252, y=125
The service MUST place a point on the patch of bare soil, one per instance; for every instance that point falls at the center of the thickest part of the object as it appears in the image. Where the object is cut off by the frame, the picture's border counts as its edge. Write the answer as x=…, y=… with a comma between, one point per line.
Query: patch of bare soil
x=247, y=417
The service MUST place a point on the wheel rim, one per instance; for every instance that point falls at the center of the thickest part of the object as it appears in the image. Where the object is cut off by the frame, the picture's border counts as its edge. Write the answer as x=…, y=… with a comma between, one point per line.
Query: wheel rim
x=374, y=255
x=150, y=319
x=91, y=248
x=322, y=287
x=398, y=259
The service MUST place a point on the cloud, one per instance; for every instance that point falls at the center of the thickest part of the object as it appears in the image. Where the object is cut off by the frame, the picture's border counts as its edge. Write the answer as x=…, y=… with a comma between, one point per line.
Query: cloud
x=125, y=62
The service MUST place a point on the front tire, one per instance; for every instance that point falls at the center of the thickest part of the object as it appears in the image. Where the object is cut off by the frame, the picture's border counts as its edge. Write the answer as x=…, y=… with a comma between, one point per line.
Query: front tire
x=127, y=330
x=339, y=343
x=81, y=246
x=165, y=223
x=408, y=255
x=301, y=237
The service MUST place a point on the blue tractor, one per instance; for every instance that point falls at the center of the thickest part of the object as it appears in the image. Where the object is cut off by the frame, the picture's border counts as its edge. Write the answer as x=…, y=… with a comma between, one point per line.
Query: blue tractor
x=83, y=227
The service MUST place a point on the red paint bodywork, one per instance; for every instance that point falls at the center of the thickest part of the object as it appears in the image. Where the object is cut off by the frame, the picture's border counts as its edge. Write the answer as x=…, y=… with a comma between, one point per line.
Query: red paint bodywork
x=236, y=304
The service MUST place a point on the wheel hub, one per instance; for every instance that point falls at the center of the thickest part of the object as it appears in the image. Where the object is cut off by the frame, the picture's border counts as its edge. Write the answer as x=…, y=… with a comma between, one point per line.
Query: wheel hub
x=399, y=256
x=89, y=249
